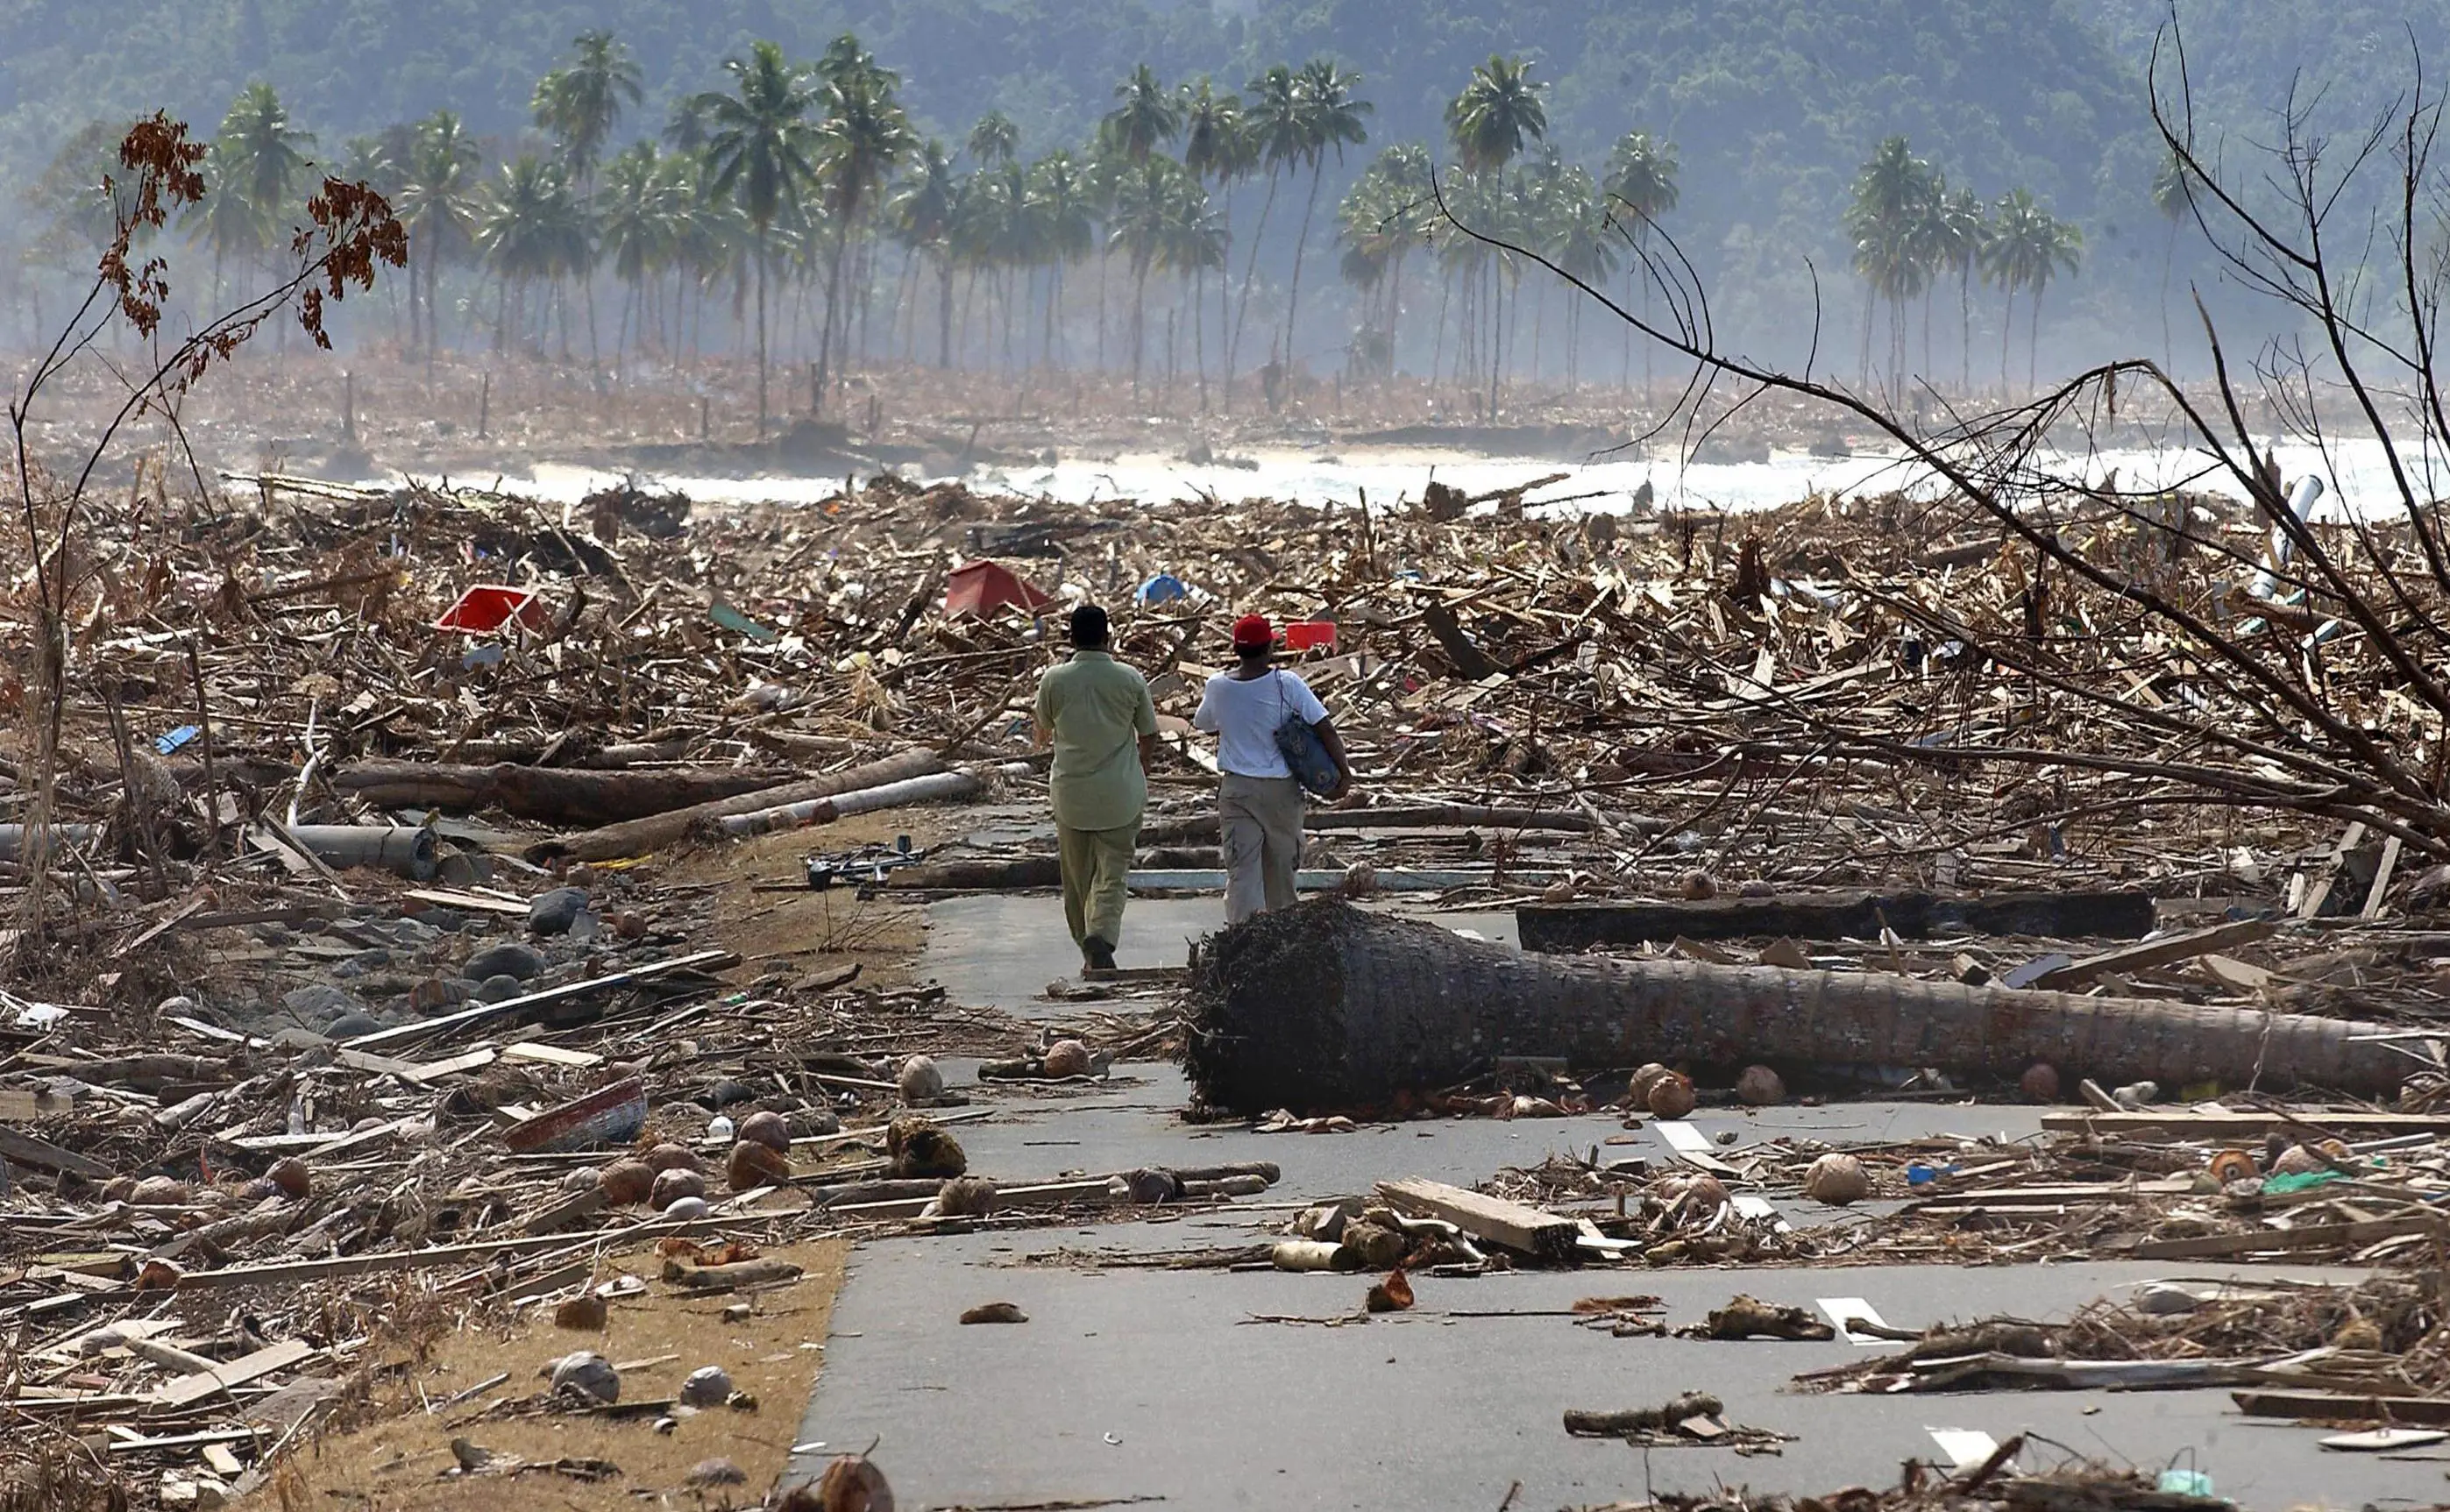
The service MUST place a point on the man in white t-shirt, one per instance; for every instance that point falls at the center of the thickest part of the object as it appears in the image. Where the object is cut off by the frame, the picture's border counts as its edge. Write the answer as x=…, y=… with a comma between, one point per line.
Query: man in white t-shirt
x=1258, y=802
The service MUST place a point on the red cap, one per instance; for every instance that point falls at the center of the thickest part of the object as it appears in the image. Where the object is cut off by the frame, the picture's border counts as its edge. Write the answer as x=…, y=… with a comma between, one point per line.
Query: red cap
x=1253, y=630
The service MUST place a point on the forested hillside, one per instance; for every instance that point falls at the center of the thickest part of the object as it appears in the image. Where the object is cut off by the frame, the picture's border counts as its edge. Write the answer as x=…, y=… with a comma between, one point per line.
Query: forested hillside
x=1773, y=108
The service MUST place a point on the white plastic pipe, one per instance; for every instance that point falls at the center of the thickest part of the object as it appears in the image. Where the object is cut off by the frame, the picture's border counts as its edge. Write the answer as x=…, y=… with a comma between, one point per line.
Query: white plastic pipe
x=2300, y=503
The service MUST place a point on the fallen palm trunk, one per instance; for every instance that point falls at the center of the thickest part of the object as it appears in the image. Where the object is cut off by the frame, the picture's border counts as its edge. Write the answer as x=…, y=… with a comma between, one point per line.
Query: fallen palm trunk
x=861, y=801
x=1416, y=816
x=1324, y=1006
x=558, y=794
x=637, y=837
x=1566, y=928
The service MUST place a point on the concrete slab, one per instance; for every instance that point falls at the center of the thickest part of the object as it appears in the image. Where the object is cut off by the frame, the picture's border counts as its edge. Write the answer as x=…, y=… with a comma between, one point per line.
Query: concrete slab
x=1186, y=1385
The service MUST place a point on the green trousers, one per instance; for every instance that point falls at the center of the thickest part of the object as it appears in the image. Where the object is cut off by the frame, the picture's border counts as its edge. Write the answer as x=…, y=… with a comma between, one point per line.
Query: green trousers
x=1096, y=874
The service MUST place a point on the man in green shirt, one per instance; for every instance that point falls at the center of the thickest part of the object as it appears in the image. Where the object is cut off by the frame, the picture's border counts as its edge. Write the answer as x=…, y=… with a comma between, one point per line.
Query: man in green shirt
x=1096, y=714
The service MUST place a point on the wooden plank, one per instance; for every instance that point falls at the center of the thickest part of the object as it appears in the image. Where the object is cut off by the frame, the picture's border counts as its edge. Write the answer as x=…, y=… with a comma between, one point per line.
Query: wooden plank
x=2381, y=878
x=551, y=1054
x=42, y=1154
x=217, y=1452
x=296, y=1271
x=477, y=1059
x=2336, y=1407
x=536, y=1000
x=191, y=1388
x=2313, y=1236
x=2237, y=976
x=467, y=902
x=2234, y=1126
x=1568, y=928
x=1517, y=1226
x=1044, y=1193
x=2168, y=951
x=374, y=1065
x=2317, y=882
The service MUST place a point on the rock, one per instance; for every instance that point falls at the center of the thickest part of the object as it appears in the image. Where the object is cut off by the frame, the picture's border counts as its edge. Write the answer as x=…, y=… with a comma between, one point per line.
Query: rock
x=554, y=911
x=628, y=1181
x=724, y=1092
x=752, y=1164
x=1068, y=1057
x=1760, y=1087
x=812, y=1123
x=1150, y=1185
x=584, y=1313
x=180, y=1007
x=510, y=958
x=435, y=993
x=707, y=1386
x=583, y=1178
x=588, y=1374
x=995, y=1312
x=292, y=1038
x=716, y=1471
x=920, y=1081
x=349, y=1026
x=290, y=1174
x=458, y=869
x=321, y=997
x=500, y=989
x=1671, y=1095
x=672, y=1185
x=627, y=925
x=1837, y=1180
x=768, y=1129
x=688, y=1208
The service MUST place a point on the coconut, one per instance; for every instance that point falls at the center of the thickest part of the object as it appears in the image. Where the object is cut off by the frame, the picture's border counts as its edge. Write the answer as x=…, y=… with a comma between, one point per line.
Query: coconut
x=2040, y=1082
x=709, y=1385
x=2298, y=1161
x=583, y=1313
x=1837, y=1180
x=967, y=1197
x=921, y=1082
x=291, y=1175
x=589, y=1374
x=1700, y=887
x=671, y=1186
x=581, y=1178
x=851, y=1484
x=1670, y=1097
x=2232, y=1165
x=752, y=1164
x=1636, y=1093
x=918, y=1149
x=628, y=1181
x=1068, y=1057
x=160, y=1191
x=1759, y=1086
x=671, y=1157
x=767, y=1128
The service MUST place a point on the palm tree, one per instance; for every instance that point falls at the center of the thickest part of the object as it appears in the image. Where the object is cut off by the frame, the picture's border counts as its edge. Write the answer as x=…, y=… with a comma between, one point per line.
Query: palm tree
x=1959, y=229
x=1332, y=117
x=581, y=103
x=1145, y=117
x=1494, y=116
x=1275, y=134
x=758, y=146
x=1383, y=217
x=1065, y=226
x=532, y=227
x=923, y=213
x=1160, y=220
x=1576, y=226
x=255, y=162
x=438, y=204
x=863, y=136
x=1641, y=177
x=1216, y=148
x=641, y=217
x=1884, y=223
x=2027, y=247
x=2173, y=195
x=994, y=139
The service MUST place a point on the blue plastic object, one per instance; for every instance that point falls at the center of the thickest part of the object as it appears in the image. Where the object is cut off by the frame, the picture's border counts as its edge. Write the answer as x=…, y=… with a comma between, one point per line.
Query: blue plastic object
x=1919, y=1175
x=166, y=743
x=2176, y=1482
x=1161, y=589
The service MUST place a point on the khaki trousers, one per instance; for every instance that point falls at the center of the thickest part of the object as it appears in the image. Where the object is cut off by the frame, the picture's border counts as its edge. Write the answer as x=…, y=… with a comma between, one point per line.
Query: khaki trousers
x=1262, y=822
x=1097, y=877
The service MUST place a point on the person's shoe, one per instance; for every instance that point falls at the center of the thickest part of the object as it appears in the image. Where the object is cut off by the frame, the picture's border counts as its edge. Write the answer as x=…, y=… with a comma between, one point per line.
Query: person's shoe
x=1100, y=955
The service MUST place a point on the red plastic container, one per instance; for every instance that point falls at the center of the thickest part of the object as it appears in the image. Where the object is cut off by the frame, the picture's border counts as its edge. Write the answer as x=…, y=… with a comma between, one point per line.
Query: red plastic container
x=1304, y=635
x=488, y=607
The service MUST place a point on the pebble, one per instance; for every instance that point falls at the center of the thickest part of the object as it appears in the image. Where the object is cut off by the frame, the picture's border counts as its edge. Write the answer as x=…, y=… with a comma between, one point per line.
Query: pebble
x=183, y=1006
x=499, y=989
x=688, y=1208
x=437, y=992
x=320, y=997
x=349, y=1026
x=717, y=1472
x=510, y=958
x=554, y=911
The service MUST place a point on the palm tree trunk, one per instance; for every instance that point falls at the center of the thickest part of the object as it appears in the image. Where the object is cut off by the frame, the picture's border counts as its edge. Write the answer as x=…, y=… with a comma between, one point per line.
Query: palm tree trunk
x=1965, y=318
x=2034, y=341
x=1140, y=316
x=1200, y=330
x=2169, y=260
x=763, y=256
x=833, y=298
x=1301, y=245
x=1250, y=270
x=1326, y=1006
x=944, y=310
x=2007, y=334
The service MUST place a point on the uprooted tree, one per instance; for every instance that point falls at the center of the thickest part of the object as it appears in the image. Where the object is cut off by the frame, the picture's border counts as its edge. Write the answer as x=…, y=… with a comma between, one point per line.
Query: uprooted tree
x=2161, y=653
x=349, y=231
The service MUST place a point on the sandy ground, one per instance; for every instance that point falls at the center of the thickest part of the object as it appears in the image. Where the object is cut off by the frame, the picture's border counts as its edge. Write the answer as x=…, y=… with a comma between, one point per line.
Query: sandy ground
x=403, y=1460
